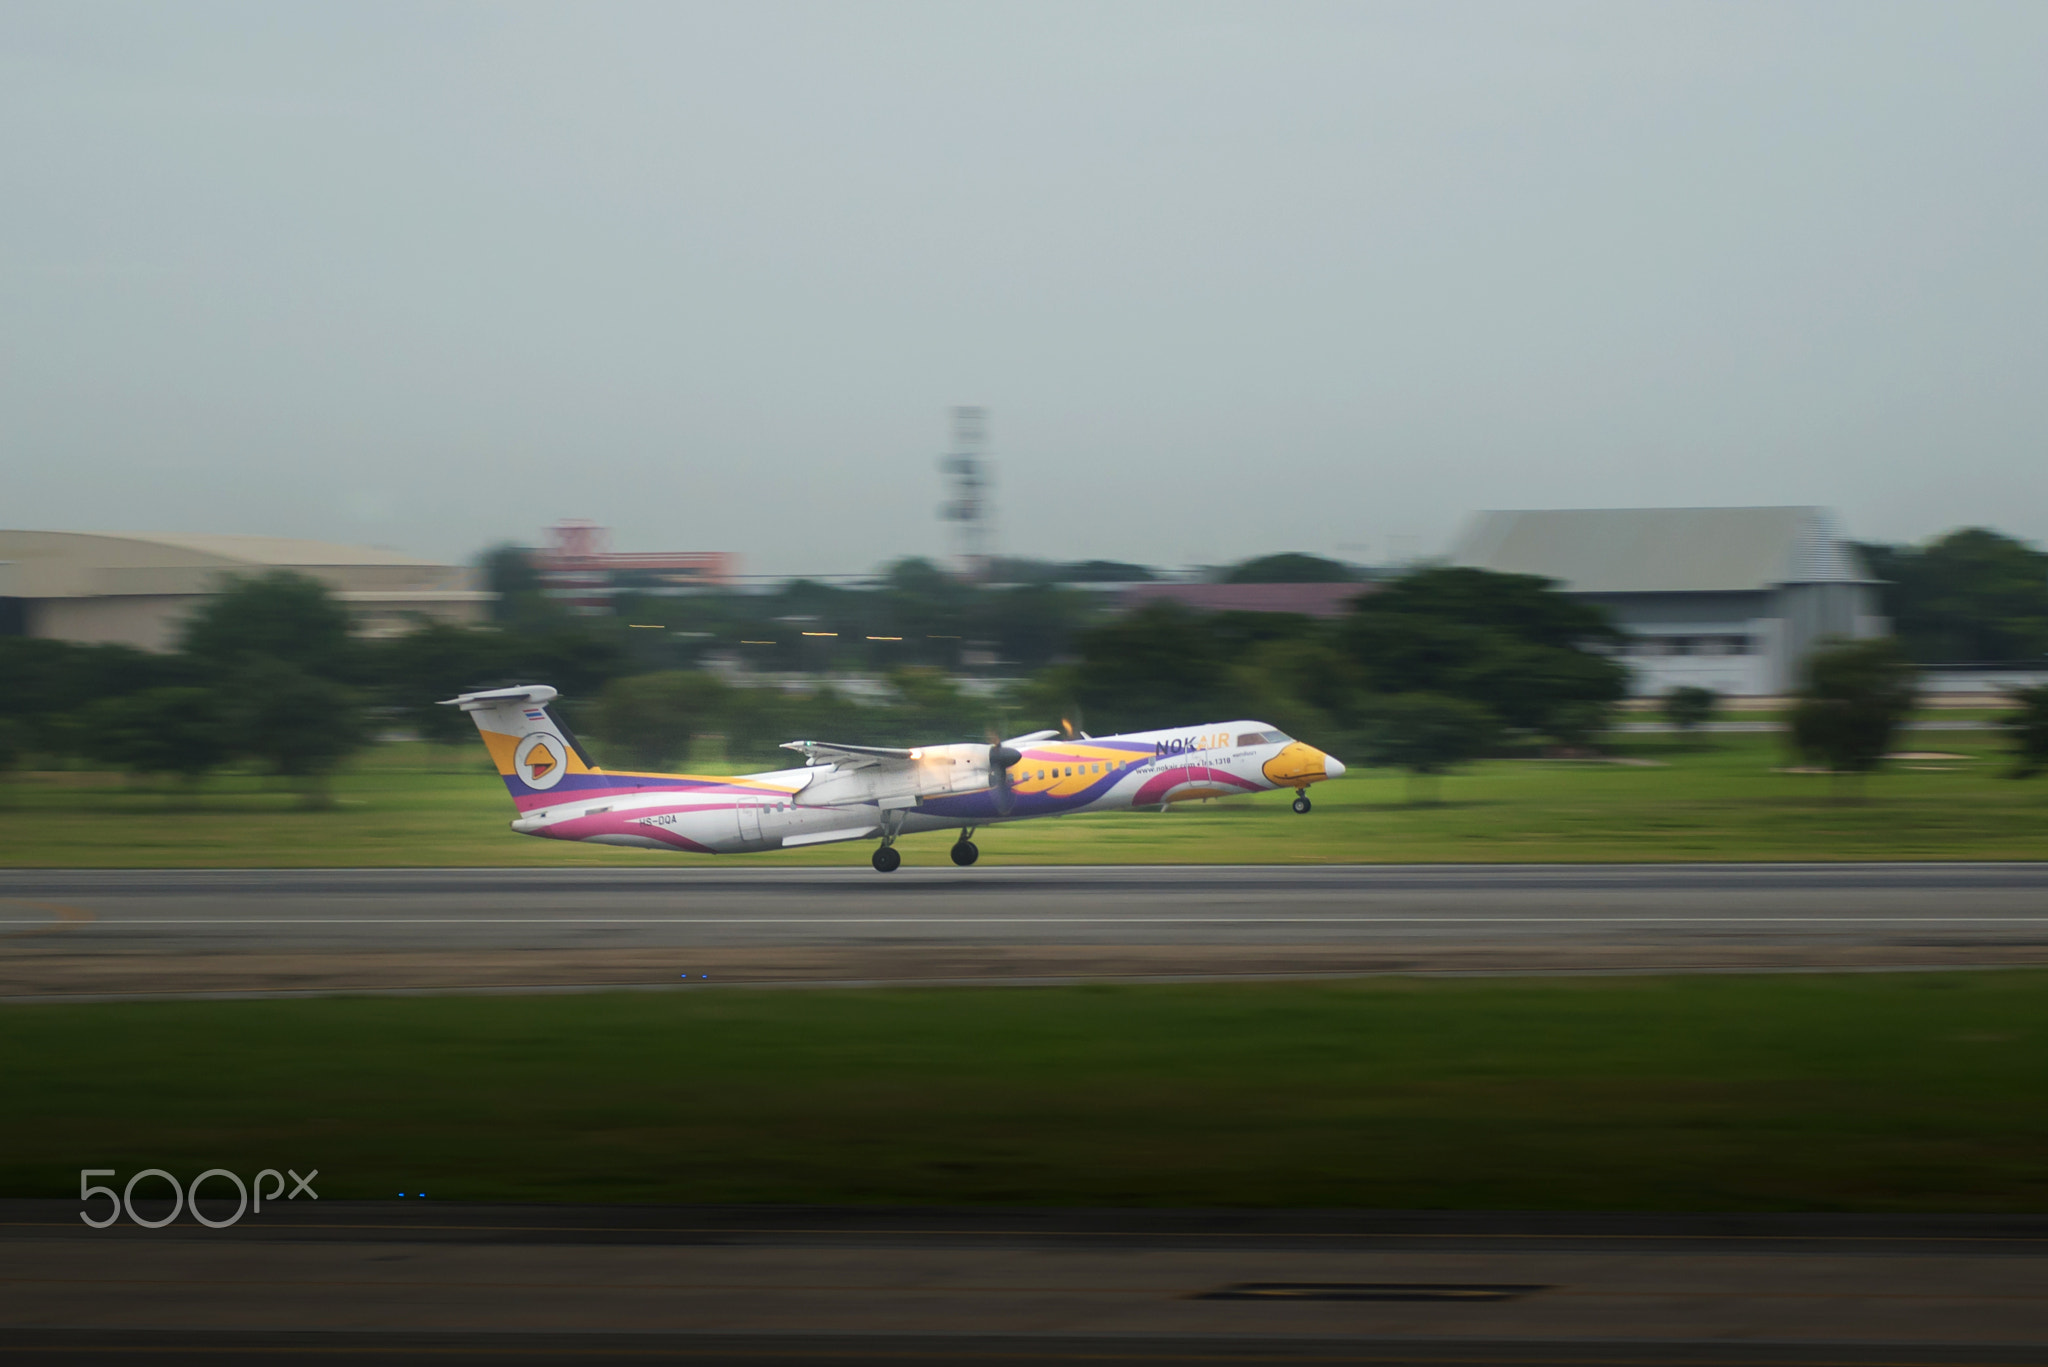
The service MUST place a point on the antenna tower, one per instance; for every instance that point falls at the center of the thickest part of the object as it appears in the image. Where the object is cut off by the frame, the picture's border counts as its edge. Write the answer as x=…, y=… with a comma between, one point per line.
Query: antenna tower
x=968, y=482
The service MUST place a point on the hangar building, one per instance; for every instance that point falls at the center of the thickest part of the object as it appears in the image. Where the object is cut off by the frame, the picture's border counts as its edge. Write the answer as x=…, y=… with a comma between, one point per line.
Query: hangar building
x=1730, y=599
x=135, y=588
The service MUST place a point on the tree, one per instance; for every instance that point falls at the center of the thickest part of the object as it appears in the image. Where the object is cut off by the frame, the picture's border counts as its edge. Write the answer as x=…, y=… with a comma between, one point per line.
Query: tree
x=1105, y=572
x=296, y=723
x=12, y=745
x=929, y=706
x=1852, y=698
x=2029, y=730
x=1290, y=567
x=1579, y=725
x=576, y=654
x=932, y=611
x=281, y=615
x=1034, y=624
x=1298, y=683
x=513, y=583
x=648, y=719
x=1510, y=643
x=1972, y=595
x=1426, y=734
x=158, y=731
x=435, y=661
x=49, y=683
x=1158, y=666
x=1689, y=707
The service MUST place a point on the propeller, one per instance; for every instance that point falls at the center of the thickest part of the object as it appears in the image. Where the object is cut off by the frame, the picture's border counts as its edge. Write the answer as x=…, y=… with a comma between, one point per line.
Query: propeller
x=1071, y=725
x=1000, y=758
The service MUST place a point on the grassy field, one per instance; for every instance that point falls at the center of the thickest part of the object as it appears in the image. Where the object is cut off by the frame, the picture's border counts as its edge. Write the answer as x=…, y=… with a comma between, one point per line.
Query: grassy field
x=1908, y=1092
x=1719, y=799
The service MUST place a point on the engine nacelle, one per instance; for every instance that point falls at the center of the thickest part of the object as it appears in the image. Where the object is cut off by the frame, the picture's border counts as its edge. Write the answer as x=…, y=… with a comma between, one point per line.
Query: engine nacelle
x=931, y=772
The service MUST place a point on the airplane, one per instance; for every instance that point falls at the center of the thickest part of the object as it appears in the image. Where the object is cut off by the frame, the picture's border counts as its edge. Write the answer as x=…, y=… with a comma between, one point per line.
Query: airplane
x=855, y=792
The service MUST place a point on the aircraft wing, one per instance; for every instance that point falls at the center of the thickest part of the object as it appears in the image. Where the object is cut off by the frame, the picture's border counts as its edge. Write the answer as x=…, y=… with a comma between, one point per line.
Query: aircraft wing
x=848, y=756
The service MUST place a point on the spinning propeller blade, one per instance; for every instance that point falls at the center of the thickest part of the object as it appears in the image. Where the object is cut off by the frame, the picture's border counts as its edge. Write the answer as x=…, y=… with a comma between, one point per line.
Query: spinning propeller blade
x=1000, y=758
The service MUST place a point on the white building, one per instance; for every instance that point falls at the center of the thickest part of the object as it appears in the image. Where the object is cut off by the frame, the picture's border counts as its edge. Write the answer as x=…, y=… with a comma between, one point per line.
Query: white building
x=136, y=588
x=1730, y=599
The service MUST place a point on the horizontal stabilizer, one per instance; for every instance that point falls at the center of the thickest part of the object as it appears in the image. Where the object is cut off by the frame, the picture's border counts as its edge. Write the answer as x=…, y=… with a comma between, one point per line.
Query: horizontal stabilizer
x=537, y=694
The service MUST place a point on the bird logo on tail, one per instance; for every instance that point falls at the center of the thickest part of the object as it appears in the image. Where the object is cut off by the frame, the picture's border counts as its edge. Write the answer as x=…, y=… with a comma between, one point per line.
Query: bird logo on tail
x=540, y=761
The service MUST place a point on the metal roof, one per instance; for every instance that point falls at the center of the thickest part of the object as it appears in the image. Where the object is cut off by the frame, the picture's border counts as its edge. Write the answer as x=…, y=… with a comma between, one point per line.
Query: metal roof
x=222, y=548
x=1662, y=550
x=37, y=564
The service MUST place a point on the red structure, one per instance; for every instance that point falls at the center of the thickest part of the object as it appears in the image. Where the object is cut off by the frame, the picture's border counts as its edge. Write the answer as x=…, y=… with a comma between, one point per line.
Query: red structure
x=578, y=567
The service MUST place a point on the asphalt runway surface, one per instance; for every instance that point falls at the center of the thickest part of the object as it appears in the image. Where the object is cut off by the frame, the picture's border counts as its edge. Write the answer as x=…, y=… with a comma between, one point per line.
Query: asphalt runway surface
x=388, y=1281
x=402, y=1282
x=71, y=934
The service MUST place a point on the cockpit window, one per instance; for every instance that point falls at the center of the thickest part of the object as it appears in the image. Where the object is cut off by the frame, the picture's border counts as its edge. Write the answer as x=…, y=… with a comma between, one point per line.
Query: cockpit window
x=1262, y=738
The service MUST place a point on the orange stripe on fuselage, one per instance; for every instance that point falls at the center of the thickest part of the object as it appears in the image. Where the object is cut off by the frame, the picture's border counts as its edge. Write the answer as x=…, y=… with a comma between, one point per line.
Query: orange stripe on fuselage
x=1024, y=776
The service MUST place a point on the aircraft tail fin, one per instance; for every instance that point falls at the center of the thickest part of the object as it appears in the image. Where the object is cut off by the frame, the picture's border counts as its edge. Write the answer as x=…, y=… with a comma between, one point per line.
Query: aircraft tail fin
x=534, y=750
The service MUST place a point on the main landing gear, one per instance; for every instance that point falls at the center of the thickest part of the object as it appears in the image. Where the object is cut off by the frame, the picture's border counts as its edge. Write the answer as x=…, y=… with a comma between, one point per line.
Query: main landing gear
x=886, y=858
x=965, y=851
x=1301, y=802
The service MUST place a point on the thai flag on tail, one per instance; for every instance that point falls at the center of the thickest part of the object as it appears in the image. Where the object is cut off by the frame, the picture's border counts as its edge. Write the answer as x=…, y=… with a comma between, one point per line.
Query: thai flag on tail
x=535, y=714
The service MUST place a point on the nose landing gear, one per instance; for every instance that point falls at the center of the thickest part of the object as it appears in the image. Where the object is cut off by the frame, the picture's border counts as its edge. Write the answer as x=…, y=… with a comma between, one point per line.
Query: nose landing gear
x=1301, y=802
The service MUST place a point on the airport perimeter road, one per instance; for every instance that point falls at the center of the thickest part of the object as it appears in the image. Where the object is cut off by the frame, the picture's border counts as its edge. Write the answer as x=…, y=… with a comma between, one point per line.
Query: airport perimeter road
x=384, y=1282
x=124, y=931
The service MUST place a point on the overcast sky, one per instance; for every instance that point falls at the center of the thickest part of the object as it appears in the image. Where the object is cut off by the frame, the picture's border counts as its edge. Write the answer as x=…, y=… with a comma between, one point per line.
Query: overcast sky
x=1229, y=278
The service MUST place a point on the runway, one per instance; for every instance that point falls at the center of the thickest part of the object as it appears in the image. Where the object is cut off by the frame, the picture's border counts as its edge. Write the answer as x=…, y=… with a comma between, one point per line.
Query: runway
x=384, y=1281
x=69, y=934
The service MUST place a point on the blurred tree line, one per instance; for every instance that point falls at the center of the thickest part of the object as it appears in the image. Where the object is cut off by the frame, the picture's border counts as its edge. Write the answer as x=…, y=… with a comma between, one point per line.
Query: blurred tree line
x=267, y=673
x=1440, y=666
x=913, y=614
x=1972, y=596
x=1436, y=667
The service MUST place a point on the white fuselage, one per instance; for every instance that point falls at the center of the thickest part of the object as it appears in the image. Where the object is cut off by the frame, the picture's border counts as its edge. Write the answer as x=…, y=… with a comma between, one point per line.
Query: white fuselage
x=942, y=787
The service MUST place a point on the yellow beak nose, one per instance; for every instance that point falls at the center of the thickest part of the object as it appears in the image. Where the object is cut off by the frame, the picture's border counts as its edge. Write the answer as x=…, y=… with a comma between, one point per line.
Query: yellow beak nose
x=1299, y=764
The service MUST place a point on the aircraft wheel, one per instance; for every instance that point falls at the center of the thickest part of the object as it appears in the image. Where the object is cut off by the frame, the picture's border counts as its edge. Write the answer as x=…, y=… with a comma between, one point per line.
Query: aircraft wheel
x=965, y=852
x=886, y=859
x=1302, y=805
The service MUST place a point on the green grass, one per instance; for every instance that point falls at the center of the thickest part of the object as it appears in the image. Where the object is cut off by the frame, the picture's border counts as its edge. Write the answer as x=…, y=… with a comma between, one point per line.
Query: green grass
x=1853, y=1092
x=1714, y=799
